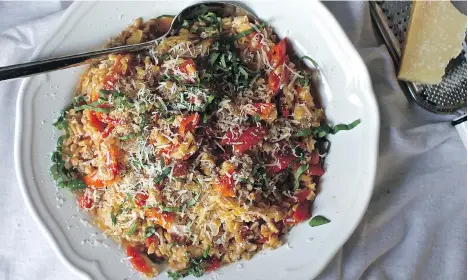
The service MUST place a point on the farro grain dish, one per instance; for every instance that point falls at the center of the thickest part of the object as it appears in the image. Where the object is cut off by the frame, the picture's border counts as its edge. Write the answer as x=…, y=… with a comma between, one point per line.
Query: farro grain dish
x=200, y=152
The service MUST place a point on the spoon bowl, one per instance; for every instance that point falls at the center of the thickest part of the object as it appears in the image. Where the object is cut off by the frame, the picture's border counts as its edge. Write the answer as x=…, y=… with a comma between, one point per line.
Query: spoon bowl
x=52, y=64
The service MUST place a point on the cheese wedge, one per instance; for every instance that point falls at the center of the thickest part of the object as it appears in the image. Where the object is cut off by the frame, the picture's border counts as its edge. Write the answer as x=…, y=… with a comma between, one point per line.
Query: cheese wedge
x=435, y=35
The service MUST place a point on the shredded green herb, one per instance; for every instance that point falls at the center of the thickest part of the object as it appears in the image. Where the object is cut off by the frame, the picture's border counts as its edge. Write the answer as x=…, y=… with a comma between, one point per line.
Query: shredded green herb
x=128, y=136
x=318, y=221
x=311, y=60
x=195, y=268
x=298, y=174
x=247, y=32
x=150, y=231
x=133, y=229
x=324, y=129
x=163, y=175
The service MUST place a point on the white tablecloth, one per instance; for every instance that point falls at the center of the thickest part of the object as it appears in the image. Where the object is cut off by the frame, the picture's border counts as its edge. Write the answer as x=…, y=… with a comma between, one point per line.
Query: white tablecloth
x=415, y=227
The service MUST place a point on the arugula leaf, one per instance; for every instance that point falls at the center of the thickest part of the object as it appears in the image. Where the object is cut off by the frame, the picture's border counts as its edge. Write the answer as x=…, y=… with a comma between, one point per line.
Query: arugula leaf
x=298, y=174
x=150, y=231
x=318, y=221
x=133, y=229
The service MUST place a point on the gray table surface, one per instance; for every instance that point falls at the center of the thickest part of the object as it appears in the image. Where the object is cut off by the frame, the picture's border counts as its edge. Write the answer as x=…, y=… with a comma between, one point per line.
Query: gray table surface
x=415, y=227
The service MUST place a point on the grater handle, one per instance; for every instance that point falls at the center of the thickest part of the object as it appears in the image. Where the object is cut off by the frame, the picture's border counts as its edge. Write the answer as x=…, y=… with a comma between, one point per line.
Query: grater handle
x=461, y=126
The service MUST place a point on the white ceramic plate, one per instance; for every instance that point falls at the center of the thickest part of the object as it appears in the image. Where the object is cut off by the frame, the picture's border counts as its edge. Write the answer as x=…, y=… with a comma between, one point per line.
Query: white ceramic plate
x=345, y=190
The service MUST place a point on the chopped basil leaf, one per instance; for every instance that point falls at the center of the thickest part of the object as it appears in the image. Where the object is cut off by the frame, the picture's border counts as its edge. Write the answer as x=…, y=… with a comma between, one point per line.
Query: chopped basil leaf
x=256, y=118
x=150, y=231
x=129, y=136
x=311, y=60
x=247, y=32
x=194, y=200
x=325, y=129
x=133, y=229
x=206, y=253
x=91, y=108
x=213, y=57
x=76, y=184
x=298, y=174
x=171, y=209
x=163, y=175
x=318, y=221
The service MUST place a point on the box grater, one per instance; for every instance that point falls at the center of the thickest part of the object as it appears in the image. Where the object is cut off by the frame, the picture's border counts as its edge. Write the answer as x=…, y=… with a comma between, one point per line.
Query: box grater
x=447, y=97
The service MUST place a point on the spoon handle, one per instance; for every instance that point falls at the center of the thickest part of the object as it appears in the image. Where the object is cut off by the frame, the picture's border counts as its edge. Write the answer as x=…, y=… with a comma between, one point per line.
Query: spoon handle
x=51, y=64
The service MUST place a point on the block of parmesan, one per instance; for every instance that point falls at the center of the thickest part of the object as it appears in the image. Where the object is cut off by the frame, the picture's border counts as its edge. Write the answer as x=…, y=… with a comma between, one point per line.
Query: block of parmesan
x=435, y=35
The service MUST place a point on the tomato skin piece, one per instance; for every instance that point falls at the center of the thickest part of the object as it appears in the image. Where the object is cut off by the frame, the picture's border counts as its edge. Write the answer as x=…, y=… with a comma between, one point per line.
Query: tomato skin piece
x=93, y=182
x=105, y=118
x=189, y=123
x=226, y=185
x=95, y=122
x=85, y=202
x=316, y=170
x=284, y=161
x=112, y=157
x=302, y=212
x=140, y=199
x=273, y=82
x=137, y=260
x=246, y=140
x=264, y=110
x=152, y=240
x=277, y=55
x=255, y=41
x=163, y=219
x=212, y=264
x=180, y=169
x=302, y=195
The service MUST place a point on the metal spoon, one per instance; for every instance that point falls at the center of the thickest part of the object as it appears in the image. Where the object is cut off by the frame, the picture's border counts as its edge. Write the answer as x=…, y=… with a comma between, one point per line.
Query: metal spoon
x=52, y=64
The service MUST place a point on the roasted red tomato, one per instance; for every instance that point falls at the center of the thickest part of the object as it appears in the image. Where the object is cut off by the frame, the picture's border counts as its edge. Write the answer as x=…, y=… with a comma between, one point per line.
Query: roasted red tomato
x=152, y=240
x=255, y=41
x=316, y=170
x=273, y=82
x=264, y=110
x=140, y=199
x=246, y=140
x=162, y=218
x=91, y=180
x=85, y=202
x=117, y=70
x=277, y=55
x=138, y=261
x=226, y=185
x=95, y=122
x=180, y=169
x=283, y=162
x=302, y=195
x=189, y=123
x=212, y=263
x=188, y=68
